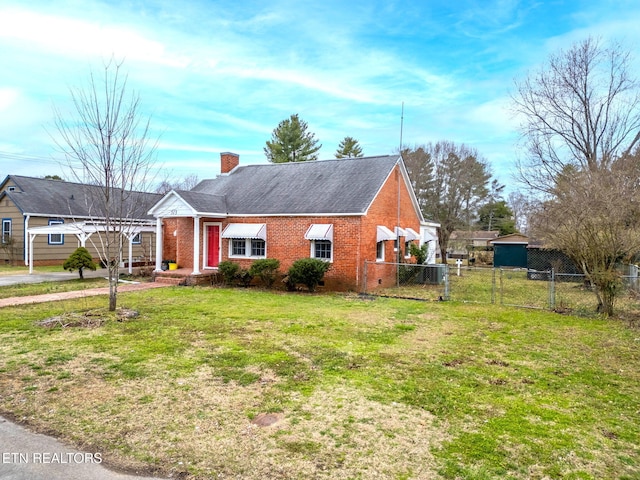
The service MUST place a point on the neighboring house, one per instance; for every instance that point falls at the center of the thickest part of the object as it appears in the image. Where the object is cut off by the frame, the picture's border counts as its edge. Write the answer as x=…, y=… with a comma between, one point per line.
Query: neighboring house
x=44, y=221
x=510, y=250
x=461, y=242
x=346, y=212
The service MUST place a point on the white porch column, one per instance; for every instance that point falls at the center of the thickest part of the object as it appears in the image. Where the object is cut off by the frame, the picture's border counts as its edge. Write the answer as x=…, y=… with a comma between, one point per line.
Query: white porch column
x=31, y=238
x=158, y=244
x=196, y=245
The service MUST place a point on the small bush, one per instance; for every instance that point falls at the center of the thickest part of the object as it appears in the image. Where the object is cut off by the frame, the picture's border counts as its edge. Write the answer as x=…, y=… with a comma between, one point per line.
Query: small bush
x=229, y=271
x=420, y=253
x=79, y=260
x=266, y=269
x=307, y=271
x=245, y=277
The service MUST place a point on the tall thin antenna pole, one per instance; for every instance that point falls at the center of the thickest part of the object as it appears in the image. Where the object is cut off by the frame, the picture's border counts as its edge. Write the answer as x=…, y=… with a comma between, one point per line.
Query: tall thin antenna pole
x=401, y=125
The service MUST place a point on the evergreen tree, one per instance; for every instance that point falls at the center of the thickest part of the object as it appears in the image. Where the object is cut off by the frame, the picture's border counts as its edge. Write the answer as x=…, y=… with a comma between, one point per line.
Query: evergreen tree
x=349, y=148
x=291, y=142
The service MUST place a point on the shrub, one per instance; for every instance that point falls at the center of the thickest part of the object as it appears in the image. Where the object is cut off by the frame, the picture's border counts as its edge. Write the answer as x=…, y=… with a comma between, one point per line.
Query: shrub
x=245, y=277
x=420, y=253
x=266, y=269
x=308, y=271
x=229, y=271
x=79, y=260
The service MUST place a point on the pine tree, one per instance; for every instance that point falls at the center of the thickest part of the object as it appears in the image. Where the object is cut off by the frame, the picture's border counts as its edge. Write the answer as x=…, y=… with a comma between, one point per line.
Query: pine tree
x=349, y=148
x=291, y=142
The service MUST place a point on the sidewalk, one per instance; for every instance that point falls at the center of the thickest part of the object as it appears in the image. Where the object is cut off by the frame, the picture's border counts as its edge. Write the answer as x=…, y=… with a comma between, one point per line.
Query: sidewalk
x=25, y=455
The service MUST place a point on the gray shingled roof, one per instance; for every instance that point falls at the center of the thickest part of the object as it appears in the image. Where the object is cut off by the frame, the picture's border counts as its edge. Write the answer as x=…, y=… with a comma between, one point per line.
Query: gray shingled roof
x=204, y=202
x=344, y=186
x=57, y=198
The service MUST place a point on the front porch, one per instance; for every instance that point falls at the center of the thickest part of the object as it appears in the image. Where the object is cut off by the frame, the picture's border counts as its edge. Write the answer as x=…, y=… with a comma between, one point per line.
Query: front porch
x=186, y=277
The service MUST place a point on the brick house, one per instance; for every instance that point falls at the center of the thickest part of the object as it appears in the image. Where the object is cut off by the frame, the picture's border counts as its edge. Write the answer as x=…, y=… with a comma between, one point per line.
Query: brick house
x=45, y=220
x=346, y=211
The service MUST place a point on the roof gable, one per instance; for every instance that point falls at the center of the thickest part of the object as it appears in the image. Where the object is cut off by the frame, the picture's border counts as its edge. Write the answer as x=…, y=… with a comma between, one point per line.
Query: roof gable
x=179, y=203
x=322, y=187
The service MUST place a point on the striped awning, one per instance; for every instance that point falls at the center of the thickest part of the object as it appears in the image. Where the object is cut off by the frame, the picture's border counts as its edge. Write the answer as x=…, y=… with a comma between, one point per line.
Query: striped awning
x=383, y=233
x=245, y=230
x=320, y=231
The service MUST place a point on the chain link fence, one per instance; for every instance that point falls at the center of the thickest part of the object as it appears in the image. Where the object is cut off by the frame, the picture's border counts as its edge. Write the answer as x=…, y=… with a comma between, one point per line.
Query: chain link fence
x=520, y=287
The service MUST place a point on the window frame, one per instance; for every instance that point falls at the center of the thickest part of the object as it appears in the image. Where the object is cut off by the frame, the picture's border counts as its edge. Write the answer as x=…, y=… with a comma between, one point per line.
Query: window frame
x=407, y=248
x=137, y=239
x=380, y=250
x=50, y=241
x=314, y=250
x=5, y=235
x=247, y=247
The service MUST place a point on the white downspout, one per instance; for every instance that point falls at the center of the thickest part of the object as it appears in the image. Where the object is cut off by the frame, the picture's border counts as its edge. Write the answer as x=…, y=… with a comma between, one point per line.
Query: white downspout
x=27, y=255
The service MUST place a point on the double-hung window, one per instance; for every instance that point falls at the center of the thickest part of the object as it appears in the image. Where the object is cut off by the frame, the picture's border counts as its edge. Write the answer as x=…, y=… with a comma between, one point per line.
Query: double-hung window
x=56, y=238
x=6, y=230
x=321, y=237
x=246, y=240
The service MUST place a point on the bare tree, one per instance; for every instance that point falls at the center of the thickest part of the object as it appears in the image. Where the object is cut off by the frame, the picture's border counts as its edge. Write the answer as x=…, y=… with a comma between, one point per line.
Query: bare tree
x=450, y=182
x=594, y=217
x=521, y=206
x=187, y=183
x=581, y=121
x=581, y=110
x=108, y=138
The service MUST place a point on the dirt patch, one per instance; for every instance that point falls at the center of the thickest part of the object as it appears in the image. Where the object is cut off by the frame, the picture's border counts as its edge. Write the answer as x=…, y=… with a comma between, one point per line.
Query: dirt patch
x=88, y=319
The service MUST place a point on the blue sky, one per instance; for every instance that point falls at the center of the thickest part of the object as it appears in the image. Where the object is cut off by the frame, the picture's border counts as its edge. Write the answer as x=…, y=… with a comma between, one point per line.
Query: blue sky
x=219, y=76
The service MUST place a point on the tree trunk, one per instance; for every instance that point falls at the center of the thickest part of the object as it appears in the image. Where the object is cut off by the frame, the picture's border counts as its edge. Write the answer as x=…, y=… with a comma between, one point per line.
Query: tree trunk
x=80, y=273
x=113, y=285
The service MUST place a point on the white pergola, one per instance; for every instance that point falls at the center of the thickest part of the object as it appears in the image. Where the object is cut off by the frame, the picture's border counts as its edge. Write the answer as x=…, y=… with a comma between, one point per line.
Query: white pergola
x=84, y=230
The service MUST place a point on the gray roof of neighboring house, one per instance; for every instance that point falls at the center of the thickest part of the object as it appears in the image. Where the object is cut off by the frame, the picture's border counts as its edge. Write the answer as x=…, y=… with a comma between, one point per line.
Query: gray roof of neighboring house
x=341, y=186
x=57, y=198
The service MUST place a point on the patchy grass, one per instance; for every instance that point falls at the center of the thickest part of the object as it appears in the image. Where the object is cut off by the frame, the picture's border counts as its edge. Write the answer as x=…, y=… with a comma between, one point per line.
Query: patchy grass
x=380, y=388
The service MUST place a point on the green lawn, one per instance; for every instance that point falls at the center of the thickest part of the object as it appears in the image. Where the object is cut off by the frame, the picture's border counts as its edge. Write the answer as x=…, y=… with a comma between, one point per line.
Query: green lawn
x=360, y=388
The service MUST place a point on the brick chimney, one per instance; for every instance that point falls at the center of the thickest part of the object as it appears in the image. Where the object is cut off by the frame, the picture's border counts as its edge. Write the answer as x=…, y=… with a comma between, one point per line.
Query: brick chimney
x=228, y=161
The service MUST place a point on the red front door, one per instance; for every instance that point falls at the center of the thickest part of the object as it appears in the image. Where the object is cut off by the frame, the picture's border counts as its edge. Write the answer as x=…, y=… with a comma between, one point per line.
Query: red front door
x=213, y=245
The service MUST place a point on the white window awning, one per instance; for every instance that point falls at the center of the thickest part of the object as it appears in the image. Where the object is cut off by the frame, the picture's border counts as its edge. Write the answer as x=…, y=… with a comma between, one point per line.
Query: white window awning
x=383, y=233
x=400, y=232
x=411, y=234
x=320, y=231
x=428, y=237
x=246, y=230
